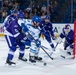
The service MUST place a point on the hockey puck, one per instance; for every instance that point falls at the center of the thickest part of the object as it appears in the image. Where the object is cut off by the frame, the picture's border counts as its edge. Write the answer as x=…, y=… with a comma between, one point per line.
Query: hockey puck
x=45, y=64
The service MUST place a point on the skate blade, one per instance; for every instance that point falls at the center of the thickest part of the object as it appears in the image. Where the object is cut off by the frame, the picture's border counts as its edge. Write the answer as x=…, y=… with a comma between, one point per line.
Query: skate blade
x=12, y=65
x=33, y=63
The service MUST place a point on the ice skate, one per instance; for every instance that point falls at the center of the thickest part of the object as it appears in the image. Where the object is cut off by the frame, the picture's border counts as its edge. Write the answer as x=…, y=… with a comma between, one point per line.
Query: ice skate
x=10, y=62
x=32, y=59
x=22, y=58
x=38, y=58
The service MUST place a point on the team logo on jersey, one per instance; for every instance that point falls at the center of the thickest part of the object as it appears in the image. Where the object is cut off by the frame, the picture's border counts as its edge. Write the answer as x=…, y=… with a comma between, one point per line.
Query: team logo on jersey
x=16, y=30
x=15, y=26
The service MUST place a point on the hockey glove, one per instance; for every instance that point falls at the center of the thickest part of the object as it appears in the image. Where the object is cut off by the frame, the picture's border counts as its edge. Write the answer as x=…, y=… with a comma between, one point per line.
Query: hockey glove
x=25, y=29
x=38, y=43
x=53, y=37
x=24, y=39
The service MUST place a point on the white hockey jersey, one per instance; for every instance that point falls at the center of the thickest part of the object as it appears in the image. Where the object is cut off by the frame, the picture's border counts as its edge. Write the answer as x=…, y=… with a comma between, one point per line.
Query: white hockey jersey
x=34, y=31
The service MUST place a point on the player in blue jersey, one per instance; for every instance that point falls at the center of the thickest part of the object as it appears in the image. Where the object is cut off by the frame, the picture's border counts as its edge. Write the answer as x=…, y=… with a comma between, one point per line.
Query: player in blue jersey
x=10, y=18
x=13, y=36
x=33, y=34
x=68, y=34
x=47, y=30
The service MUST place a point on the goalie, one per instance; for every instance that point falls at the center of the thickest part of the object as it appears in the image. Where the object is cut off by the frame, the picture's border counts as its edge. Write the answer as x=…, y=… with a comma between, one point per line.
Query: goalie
x=68, y=34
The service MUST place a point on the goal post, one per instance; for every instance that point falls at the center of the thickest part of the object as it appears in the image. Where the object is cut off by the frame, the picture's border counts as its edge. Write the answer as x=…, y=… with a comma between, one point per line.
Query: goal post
x=74, y=52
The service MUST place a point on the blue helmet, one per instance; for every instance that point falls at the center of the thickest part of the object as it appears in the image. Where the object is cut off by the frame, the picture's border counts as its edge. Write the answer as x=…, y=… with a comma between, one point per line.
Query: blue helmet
x=14, y=11
x=36, y=19
x=20, y=14
x=47, y=17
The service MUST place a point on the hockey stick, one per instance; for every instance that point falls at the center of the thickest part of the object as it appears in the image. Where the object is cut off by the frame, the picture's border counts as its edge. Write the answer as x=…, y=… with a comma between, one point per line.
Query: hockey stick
x=46, y=52
x=49, y=49
x=41, y=47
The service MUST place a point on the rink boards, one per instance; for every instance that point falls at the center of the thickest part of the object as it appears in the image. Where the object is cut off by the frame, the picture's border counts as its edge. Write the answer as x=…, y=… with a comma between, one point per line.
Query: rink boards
x=57, y=28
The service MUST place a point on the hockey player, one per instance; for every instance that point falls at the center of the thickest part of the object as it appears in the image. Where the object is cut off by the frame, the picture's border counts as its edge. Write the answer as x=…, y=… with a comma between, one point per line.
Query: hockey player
x=13, y=36
x=47, y=30
x=33, y=34
x=68, y=34
x=10, y=18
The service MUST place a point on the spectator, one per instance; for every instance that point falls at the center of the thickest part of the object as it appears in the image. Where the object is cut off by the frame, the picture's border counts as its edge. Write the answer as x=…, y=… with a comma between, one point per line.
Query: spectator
x=43, y=15
x=35, y=12
x=4, y=14
x=28, y=9
x=39, y=10
x=0, y=15
x=43, y=8
x=74, y=13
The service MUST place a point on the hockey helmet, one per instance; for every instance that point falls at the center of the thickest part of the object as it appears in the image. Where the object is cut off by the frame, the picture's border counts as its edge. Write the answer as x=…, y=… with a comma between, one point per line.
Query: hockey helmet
x=67, y=26
x=14, y=11
x=36, y=19
x=67, y=29
x=20, y=14
x=47, y=17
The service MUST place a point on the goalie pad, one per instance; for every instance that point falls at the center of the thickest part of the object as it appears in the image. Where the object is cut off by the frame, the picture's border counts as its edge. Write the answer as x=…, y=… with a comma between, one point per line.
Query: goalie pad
x=69, y=49
x=65, y=54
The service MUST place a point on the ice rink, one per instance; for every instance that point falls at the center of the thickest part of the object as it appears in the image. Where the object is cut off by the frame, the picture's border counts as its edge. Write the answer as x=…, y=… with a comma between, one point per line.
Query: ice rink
x=58, y=66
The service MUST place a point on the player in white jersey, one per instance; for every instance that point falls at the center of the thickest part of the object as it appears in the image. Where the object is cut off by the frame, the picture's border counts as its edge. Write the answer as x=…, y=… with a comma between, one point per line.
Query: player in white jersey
x=33, y=34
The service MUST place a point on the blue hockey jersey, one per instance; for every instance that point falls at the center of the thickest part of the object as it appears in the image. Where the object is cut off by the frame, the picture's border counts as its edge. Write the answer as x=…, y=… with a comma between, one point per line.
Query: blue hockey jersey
x=14, y=30
x=69, y=37
x=8, y=20
x=46, y=29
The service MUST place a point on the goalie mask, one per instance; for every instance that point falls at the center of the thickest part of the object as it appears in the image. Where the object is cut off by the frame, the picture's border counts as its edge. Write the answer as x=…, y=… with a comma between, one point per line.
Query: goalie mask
x=36, y=21
x=67, y=29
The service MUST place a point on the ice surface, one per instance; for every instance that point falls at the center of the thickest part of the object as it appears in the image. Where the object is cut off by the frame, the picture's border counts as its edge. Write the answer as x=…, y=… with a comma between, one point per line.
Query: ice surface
x=58, y=66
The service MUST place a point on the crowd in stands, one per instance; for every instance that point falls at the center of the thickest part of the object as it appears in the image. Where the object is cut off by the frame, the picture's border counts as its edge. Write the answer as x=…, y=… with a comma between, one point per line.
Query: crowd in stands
x=59, y=10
